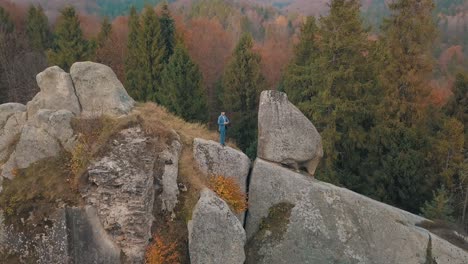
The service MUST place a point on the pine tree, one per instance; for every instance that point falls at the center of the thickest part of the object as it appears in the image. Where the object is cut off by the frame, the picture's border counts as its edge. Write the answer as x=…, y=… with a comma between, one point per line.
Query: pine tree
x=182, y=85
x=440, y=208
x=6, y=25
x=408, y=37
x=150, y=55
x=167, y=32
x=400, y=171
x=340, y=93
x=242, y=84
x=300, y=77
x=132, y=69
x=37, y=28
x=104, y=34
x=70, y=46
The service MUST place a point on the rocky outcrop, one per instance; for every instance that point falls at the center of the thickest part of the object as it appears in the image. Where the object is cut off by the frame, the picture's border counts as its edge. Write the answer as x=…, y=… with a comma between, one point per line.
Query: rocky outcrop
x=12, y=119
x=285, y=135
x=170, y=189
x=215, y=234
x=99, y=91
x=122, y=191
x=57, y=92
x=43, y=136
x=214, y=159
x=88, y=241
x=293, y=218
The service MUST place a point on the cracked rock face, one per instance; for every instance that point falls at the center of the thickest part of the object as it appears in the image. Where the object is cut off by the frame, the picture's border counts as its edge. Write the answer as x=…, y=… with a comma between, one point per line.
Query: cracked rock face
x=98, y=90
x=285, y=135
x=170, y=190
x=12, y=119
x=57, y=92
x=215, y=234
x=122, y=191
x=327, y=224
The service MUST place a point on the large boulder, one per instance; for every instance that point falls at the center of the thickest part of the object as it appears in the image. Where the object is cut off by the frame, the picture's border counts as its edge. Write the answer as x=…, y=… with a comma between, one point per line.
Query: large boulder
x=214, y=159
x=285, y=135
x=57, y=92
x=99, y=91
x=215, y=234
x=122, y=190
x=294, y=218
x=12, y=119
x=43, y=136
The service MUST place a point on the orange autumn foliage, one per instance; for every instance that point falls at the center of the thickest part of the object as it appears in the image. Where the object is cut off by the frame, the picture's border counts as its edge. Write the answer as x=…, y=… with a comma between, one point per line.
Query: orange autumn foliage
x=229, y=190
x=161, y=252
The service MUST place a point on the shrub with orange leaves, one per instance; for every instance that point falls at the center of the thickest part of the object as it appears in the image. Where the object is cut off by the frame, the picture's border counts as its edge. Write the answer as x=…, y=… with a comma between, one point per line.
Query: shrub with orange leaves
x=161, y=252
x=229, y=190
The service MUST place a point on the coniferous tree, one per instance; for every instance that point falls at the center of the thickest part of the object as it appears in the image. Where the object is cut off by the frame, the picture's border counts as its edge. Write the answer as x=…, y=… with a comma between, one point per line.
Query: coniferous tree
x=132, y=82
x=104, y=34
x=242, y=83
x=408, y=37
x=300, y=76
x=167, y=32
x=6, y=25
x=150, y=55
x=182, y=85
x=401, y=171
x=37, y=28
x=69, y=46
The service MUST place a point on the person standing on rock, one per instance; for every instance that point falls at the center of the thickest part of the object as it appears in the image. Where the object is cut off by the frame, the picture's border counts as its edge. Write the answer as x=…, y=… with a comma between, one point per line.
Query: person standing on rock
x=222, y=122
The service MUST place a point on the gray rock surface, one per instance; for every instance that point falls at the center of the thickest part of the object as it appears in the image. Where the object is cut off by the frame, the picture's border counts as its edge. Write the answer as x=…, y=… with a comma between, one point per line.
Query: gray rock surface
x=89, y=242
x=296, y=219
x=57, y=92
x=122, y=191
x=98, y=90
x=215, y=234
x=7, y=110
x=285, y=135
x=213, y=159
x=9, y=133
x=170, y=190
x=43, y=136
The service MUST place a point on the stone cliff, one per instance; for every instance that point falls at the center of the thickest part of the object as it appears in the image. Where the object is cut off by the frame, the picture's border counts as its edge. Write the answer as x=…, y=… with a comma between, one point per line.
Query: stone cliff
x=89, y=176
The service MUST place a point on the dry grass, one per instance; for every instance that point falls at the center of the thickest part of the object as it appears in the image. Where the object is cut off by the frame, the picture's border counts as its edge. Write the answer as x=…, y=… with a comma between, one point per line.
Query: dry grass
x=229, y=190
x=160, y=251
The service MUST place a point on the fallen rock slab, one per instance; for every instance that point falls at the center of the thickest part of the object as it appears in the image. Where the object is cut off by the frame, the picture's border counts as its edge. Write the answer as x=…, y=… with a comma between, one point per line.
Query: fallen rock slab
x=295, y=219
x=215, y=234
x=285, y=135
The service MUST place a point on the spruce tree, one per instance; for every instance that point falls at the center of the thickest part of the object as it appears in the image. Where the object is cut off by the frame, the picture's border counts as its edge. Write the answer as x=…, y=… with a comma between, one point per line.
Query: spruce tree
x=37, y=28
x=242, y=84
x=132, y=82
x=104, y=34
x=150, y=55
x=408, y=36
x=6, y=25
x=69, y=46
x=182, y=85
x=299, y=79
x=400, y=144
x=167, y=32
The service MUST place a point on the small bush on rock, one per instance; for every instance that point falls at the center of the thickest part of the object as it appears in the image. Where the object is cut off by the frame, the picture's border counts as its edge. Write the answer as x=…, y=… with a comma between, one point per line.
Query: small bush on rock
x=229, y=190
x=161, y=252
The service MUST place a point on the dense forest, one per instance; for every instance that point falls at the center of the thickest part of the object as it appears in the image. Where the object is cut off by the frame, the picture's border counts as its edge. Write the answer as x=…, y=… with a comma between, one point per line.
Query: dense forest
x=390, y=101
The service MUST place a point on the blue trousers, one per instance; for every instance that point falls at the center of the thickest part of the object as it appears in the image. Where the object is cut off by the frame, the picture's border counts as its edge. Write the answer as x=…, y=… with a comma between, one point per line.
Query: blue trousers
x=222, y=135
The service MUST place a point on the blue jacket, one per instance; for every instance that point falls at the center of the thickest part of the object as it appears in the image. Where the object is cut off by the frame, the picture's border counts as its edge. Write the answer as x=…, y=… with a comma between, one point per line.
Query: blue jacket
x=221, y=120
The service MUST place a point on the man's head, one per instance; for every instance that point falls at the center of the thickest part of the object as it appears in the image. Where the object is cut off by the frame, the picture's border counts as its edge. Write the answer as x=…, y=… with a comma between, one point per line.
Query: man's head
x=223, y=113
